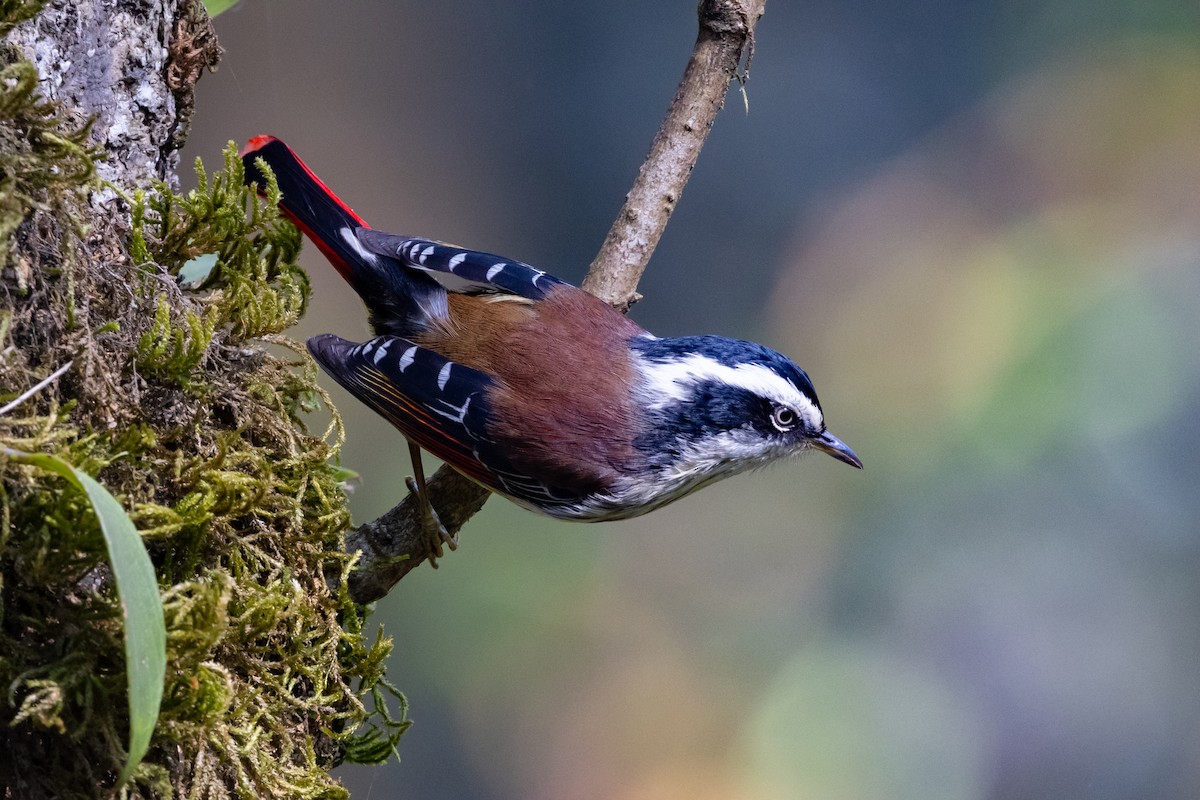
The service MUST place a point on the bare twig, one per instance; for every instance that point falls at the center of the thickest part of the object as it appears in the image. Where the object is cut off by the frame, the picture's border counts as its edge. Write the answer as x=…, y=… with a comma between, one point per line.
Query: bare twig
x=726, y=32
x=37, y=387
x=395, y=543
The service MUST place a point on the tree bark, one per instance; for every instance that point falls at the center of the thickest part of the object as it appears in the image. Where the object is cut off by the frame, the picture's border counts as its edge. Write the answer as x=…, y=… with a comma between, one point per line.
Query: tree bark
x=130, y=66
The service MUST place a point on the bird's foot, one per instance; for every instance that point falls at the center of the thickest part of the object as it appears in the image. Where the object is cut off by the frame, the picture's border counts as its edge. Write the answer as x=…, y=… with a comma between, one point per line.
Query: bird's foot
x=435, y=532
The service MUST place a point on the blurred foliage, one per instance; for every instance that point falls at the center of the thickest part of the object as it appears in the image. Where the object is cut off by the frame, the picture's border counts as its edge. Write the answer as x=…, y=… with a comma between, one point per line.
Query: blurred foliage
x=215, y=7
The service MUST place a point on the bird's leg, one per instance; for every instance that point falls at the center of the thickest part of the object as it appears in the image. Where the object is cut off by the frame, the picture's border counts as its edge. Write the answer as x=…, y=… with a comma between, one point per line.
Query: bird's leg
x=435, y=531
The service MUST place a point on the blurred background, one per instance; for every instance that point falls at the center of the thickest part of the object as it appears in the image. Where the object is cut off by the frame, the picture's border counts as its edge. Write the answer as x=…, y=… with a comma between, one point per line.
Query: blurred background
x=976, y=224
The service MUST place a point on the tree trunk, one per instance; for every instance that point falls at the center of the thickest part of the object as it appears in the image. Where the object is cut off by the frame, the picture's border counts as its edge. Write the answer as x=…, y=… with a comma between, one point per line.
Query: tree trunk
x=131, y=65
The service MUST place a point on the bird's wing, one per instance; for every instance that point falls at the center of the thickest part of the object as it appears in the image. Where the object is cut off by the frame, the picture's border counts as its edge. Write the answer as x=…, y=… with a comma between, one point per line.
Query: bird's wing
x=438, y=404
x=460, y=270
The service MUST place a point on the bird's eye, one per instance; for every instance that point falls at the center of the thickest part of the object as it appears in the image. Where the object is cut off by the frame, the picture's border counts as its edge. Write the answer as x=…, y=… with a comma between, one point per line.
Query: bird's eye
x=783, y=418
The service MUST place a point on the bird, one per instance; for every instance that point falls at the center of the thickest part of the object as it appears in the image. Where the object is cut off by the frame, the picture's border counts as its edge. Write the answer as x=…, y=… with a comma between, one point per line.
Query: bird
x=532, y=387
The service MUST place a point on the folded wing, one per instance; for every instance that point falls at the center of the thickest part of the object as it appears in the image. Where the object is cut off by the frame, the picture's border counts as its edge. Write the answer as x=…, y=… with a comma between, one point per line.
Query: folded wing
x=460, y=270
x=440, y=405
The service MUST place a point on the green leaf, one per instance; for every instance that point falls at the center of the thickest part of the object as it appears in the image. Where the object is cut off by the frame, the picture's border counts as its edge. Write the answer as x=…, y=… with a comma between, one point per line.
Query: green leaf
x=214, y=7
x=196, y=270
x=137, y=588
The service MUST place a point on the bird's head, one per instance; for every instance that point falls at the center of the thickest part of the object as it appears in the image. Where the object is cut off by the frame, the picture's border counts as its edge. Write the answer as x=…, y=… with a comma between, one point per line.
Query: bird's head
x=716, y=406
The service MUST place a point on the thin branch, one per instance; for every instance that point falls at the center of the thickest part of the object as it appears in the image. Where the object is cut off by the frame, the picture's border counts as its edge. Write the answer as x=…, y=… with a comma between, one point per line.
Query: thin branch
x=726, y=32
x=395, y=543
x=37, y=387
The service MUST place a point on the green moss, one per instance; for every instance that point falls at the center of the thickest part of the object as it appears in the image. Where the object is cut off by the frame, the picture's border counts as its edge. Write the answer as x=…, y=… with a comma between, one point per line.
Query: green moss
x=174, y=401
x=256, y=288
x=14, y=12
x=175, y=350
x=45, y=163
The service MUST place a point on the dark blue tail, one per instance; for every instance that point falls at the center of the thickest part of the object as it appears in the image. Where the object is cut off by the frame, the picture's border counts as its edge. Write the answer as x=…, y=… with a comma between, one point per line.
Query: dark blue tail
x=397, y=298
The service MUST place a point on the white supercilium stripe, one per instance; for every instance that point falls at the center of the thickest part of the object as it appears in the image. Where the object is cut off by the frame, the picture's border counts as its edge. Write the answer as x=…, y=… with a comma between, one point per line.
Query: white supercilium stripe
x=675, y=381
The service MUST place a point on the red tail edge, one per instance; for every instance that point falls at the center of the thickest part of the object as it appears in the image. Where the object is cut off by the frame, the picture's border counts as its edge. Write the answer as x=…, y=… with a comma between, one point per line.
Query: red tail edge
x=291, y=171
x=256, y=143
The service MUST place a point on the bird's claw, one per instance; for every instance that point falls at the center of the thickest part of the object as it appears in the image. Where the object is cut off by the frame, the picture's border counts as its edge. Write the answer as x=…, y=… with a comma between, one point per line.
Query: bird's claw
x=435, y=532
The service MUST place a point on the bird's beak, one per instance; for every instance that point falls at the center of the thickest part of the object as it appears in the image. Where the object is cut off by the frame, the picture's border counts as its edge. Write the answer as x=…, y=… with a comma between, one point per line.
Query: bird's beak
x=835, y=447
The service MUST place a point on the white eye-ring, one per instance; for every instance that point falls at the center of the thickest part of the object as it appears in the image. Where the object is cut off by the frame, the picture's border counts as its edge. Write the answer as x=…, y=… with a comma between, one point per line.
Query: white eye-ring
x=784, y=418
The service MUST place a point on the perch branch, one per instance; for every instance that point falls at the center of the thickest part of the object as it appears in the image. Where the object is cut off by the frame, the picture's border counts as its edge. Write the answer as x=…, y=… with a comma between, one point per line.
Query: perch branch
x=726, y=32
x=395, y=543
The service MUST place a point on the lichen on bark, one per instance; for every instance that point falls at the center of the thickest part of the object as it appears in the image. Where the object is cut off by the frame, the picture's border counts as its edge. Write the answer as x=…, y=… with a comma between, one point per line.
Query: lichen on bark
x=191, y=407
